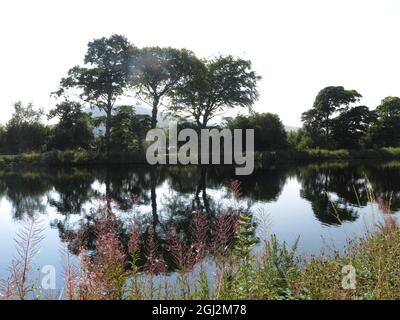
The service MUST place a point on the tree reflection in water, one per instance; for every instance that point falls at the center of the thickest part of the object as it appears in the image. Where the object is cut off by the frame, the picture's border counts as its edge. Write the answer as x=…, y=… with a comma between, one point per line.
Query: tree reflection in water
x=334, y=190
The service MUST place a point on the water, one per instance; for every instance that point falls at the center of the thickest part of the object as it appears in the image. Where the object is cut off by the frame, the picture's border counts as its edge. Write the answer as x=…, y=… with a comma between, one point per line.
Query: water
x=325, y=204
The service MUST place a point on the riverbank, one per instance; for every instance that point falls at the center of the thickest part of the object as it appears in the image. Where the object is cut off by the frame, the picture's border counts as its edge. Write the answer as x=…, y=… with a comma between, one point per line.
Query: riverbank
x=71, y=158
x=320, y=155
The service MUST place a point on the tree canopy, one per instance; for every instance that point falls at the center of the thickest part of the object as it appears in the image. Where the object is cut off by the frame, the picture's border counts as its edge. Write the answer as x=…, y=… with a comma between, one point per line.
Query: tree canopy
x=385, y=131
x=269, y=132
x=104, y=77
x=25, y=132
x=221, y=83
x=318, y=122
x=155, y=72
x=74, y=129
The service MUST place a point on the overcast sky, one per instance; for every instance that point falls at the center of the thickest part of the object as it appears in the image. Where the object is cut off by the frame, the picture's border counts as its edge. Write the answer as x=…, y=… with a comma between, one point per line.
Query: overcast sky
x=298, y=47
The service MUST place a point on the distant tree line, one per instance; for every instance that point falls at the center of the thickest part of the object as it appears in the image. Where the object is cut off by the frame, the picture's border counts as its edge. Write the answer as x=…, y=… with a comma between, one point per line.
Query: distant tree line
x=192, y=90
x=335, y=121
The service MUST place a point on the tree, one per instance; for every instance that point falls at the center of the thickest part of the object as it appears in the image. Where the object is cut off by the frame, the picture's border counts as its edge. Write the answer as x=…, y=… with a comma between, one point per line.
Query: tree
x=350, y=127
x=104, y=77
x=3, y=141
x=155, y=72
x=24, y=131
x=295, y=139
x=385, y=131
x=74, y=129
x=219, y=84
x=269, y=132
x=129, y=129
x=318, y=120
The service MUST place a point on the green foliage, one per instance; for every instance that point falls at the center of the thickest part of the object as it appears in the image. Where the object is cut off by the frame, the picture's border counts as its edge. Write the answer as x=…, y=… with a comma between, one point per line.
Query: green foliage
x=385, y=131
x=3, y=139
x=351, y=126
x=269, y=132
x=265, y=158
x=332, y=123
x=103, y=78
x=129, y=129
x=318, y=122
x=73, y=129
x=215, y=86
x=155, y=72
x=282, y=258
x=24, y=132
x=245, y=236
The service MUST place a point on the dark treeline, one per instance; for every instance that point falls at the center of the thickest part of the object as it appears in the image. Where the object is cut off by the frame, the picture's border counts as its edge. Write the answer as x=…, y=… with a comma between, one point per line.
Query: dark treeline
x=191, y=90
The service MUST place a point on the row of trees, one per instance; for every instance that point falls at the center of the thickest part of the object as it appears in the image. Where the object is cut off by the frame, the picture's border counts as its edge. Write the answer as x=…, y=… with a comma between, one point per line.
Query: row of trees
x=188, y=87
x=336, y=121
x=345, y=126
x=26, y=130
x=191, y=89
x=76, y=128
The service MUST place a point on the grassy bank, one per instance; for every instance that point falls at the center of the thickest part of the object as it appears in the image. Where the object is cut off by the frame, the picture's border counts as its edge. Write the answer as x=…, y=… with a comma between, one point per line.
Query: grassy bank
x=69, y=158
x=262, y=158
x=314, y=155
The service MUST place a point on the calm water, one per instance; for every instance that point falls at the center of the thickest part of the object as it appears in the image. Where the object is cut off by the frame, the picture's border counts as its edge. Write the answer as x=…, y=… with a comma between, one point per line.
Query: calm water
x=324, y=204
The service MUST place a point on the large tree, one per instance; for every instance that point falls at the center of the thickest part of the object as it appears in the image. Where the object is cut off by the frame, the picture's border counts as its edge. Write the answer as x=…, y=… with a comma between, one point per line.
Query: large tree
x=219, y=84
x=385, y=131
x=318, y=121
x=104, y=77
x=351, y=127
x=155, y=72
x=73, y=129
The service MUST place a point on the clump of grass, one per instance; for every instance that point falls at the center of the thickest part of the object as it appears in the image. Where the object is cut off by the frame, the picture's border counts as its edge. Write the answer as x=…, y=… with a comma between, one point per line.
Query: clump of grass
x=375, y=259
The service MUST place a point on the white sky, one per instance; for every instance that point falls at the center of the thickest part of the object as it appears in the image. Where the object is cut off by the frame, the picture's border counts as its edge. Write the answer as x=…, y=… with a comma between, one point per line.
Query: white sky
x=298, y=47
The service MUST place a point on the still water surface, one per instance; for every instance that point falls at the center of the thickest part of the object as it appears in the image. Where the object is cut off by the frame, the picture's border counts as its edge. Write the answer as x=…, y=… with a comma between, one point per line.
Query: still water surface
x=325, y=204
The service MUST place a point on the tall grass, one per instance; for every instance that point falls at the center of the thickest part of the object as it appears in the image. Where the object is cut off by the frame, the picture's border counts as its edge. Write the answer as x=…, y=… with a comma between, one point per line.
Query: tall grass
x=27, y=244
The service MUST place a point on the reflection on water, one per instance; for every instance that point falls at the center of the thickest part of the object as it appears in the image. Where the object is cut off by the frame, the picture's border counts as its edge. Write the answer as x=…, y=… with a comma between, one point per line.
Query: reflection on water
x=323, y=203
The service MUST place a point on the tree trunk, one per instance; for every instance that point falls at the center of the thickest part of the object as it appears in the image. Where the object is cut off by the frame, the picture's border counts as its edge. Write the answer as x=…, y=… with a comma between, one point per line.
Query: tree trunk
x=327, y=131
x=108, y=130
x=205, y=121
x=154, y=112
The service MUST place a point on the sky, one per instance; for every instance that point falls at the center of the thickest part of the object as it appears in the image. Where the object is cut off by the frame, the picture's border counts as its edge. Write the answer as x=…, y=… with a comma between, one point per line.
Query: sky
x=298, y=47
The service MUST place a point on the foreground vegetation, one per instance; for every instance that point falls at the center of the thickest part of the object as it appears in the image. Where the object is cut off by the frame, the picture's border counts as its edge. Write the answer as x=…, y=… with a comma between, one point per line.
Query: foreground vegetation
x=134, y=268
